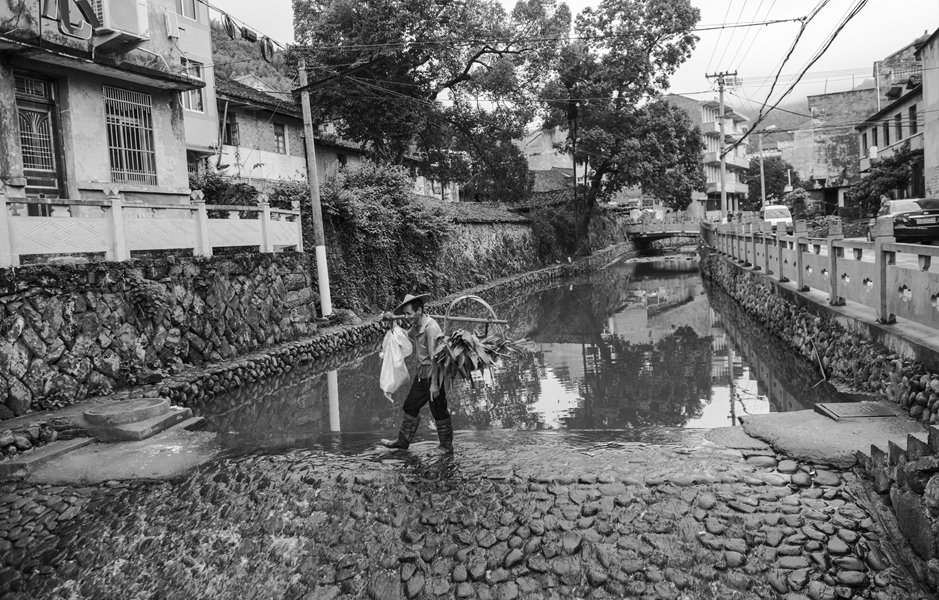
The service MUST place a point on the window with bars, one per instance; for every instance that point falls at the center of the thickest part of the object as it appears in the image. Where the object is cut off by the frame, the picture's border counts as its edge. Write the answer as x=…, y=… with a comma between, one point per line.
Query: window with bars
x=886, y=127
x=913, y=124
x=193, y=99
x=129, y=121
x=898, y=125
x=280, y=138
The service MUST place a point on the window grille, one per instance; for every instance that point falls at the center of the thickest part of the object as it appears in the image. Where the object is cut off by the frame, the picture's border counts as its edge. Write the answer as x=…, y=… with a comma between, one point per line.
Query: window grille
x=36, y=140
x=130, y=136
x=30, y=87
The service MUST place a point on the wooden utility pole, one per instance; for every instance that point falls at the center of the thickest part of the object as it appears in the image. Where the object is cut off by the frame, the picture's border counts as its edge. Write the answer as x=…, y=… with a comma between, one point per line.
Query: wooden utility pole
x=721, y=77
x=319, y=236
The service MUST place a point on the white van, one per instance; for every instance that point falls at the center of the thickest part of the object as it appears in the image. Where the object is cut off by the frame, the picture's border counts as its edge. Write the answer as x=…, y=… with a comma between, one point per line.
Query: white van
x=777, y=215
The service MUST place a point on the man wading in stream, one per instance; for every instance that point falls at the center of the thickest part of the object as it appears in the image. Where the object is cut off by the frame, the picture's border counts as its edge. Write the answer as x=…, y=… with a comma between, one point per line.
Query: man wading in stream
x=424, y=333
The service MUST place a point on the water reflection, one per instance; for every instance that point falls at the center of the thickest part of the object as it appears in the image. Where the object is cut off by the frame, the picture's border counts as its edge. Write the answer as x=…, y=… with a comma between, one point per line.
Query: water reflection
x=634, y=345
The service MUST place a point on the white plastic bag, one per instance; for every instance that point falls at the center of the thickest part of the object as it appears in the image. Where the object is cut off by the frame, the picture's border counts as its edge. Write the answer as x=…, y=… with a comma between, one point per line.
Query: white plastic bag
x=394, y=348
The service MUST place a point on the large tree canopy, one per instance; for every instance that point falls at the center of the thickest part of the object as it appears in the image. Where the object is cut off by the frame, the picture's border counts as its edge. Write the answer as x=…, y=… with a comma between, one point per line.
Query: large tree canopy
x=447, y=82
x=604, y=89
x=776, y=173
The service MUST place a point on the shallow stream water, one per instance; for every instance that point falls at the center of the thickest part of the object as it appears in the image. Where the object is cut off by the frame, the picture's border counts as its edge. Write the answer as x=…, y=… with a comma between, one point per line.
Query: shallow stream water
x=583, y=470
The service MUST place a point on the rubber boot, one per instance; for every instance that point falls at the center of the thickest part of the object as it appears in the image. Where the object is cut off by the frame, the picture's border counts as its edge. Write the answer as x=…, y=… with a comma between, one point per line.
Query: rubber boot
x=445, y=433
x=405, y=435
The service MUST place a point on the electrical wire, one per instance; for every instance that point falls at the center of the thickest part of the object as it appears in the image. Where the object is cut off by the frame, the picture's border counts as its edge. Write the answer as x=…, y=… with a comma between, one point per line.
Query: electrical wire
x=726, y=12
x=858, y=6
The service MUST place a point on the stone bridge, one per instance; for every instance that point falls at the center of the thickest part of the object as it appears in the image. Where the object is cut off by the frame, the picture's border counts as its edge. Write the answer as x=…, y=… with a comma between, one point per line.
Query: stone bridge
x=649, y=231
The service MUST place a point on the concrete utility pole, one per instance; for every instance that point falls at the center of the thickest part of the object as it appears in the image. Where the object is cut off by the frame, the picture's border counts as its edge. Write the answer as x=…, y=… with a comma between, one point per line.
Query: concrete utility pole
x=721, y=77
x=319, y=236
x=762, y=178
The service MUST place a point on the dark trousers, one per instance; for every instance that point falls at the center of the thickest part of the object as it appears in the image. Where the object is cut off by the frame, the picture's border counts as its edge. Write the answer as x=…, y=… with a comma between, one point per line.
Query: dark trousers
x=420, y=395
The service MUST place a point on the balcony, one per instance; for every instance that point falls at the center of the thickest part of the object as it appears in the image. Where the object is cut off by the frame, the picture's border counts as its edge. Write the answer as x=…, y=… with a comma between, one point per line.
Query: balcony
x=733, y=187
x=733, y=161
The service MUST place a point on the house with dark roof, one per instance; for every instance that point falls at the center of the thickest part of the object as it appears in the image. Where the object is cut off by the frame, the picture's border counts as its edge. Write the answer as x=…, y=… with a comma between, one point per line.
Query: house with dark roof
x=261, y=138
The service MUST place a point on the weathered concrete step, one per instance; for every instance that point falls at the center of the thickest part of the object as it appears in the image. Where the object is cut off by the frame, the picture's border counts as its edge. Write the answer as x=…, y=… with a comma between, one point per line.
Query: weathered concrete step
x=917, y=446
x=127, y=411
x=142, y=429
x=23, y=465
x=934, y=438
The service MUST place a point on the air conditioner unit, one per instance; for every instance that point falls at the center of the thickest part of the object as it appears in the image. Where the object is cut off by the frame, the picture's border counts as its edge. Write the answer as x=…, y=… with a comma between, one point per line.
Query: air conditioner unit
x=126, y=18
x=872, y=153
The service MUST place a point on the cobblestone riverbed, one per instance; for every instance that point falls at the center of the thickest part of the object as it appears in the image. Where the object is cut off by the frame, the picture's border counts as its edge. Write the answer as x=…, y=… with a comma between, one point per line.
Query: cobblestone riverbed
x=651, y=514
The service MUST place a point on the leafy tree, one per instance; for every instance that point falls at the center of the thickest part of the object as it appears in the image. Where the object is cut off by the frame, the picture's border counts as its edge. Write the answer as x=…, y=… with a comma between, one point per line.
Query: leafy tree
x=776, y=174
x=796, y=200
x=445, y=82
x=622, y=56
x=886, y=178
x=233, y=58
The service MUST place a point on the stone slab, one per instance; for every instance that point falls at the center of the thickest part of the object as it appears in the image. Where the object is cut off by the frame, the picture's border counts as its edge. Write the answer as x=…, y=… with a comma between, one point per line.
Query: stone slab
x=23, y=465
x=163, y=456
x=854, y=410
x=127, y=411
x=143, y=429
x=735, y=437
x=805, y=435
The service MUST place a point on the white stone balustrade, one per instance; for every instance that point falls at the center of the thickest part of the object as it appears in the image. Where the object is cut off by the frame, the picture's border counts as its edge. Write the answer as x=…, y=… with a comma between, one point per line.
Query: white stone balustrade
x=117, y=228
x=881, y=275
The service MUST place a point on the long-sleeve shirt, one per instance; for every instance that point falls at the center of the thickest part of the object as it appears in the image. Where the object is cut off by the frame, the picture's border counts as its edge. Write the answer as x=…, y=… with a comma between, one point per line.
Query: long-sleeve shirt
x=425, y=335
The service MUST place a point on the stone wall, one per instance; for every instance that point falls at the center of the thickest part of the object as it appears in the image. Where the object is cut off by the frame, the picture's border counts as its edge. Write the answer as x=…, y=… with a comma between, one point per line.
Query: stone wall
x=858, y=357
x=70, y=332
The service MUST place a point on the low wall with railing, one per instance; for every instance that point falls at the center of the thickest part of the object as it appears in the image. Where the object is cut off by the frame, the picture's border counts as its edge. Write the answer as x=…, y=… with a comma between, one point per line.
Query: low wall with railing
x=114, y=229
x=890, y=279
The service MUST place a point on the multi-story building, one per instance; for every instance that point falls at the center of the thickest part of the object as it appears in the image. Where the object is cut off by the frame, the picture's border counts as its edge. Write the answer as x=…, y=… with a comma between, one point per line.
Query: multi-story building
x=928, y=54
x=706, y=115
x=895, y=126
x=92, y=98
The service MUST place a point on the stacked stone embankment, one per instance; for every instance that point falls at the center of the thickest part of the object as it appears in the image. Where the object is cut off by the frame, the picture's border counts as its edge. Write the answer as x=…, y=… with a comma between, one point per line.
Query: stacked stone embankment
x=196, y=386
x=75, y=331
x=906, y=472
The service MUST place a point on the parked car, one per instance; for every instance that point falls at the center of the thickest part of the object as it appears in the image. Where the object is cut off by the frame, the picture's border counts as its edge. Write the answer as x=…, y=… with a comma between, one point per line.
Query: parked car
x=777, y=215
x=914, y=219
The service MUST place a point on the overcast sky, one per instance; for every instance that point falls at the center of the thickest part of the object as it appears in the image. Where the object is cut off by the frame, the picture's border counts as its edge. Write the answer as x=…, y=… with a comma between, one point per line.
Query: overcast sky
x=882, y=27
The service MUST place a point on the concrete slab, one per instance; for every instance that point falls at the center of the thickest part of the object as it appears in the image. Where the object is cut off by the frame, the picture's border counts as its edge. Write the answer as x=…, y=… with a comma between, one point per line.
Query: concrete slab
x=163, y=456
x=127, y=411
x=736, y=438
x=23, y=465
x=143, y=429
x=808, y=436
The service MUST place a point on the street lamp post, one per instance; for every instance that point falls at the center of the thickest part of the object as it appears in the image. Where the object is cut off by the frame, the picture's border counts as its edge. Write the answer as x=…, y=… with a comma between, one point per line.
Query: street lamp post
x=762, y=177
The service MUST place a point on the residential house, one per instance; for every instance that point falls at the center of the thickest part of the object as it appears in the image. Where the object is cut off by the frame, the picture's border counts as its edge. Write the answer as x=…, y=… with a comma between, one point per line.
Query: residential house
x=554, y=173
x=896, y=125
x=705, y=114
x=92, y=98
x=190, y=30
x=928, y=54
x=262, y=139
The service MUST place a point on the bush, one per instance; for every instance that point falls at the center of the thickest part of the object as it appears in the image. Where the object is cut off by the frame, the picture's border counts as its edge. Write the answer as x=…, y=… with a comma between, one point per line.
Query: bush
x=554, y=233
x=382, y=241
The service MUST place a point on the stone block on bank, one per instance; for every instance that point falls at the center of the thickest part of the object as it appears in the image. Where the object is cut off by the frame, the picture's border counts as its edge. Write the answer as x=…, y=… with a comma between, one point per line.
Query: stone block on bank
x=896, y=453
x=914, y=522
x=917, y=446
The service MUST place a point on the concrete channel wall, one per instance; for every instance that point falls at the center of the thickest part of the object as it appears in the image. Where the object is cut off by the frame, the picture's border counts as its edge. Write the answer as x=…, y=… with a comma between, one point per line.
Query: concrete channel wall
x=860, y=354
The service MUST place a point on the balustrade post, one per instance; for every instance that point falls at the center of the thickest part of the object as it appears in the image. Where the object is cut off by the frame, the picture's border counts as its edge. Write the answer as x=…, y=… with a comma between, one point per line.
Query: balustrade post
x=7, y=257
x=267, y=243
x=295, y=205
x=741, y=243
x=800, y=232
x=117, y=248
x=781, y=245
x=203, y=242
x=835, y=233
x=767, y=231
x=754, y=230
x=883, y=234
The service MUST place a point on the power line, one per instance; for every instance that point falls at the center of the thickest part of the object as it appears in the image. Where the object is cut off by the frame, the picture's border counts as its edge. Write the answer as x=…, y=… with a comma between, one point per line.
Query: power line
x=851, y=14
x=755, y=37
x=718, y=43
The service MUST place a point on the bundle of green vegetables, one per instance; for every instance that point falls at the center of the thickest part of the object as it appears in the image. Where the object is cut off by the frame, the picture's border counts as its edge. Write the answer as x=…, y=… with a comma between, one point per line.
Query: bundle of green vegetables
x=461, y=352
